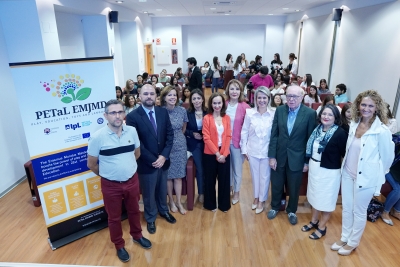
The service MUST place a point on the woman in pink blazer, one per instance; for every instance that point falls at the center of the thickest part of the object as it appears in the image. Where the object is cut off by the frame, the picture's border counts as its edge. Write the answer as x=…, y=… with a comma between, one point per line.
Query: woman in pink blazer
x=236, y=110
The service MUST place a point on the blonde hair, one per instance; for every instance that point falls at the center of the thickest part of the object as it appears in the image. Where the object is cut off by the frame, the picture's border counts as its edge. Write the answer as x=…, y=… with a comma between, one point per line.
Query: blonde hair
x=381, y=108
x=241, y=96
x=166, y=90
x=264, y=90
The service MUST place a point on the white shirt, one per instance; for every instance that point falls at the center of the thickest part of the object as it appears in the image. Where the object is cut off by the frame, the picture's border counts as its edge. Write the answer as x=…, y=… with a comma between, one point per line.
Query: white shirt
x=310, y=100
x=231, y=112
x=238, y=70
x=220, y=130
x=304, y=84
x=256, y=133
x=392, y=125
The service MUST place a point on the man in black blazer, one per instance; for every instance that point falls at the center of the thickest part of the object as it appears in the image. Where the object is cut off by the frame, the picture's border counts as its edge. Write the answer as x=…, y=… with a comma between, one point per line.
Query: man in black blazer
x=195, y=80
x=292, y=126
x=156, y=137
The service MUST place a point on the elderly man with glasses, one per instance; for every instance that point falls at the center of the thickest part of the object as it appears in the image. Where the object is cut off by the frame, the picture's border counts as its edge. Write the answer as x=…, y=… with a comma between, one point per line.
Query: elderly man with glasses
x=292, y=126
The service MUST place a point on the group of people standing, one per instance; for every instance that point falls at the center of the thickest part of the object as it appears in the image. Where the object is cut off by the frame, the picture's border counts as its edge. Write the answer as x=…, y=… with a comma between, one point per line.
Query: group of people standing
x=280, y=143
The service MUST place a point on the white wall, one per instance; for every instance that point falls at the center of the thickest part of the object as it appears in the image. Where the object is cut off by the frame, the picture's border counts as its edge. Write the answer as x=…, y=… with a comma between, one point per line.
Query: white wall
x=21, y=22
x=316, y=44
x=129, y=50
x=368, y=50
x=13, y=146
x=70, y=35
x=271, y=35
x=95, y=36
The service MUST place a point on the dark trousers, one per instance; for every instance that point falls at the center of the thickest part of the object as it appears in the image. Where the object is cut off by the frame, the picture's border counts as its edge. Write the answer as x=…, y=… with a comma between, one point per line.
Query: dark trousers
x=113, y=194
x=197, y=154
x=293, y=180
x=154, y=192
x=212, y=170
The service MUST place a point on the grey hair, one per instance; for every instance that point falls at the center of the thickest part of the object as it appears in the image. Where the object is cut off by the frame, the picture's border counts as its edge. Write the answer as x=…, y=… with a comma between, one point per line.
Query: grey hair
x=298, y=87
x=264, y=90
x=112, y=102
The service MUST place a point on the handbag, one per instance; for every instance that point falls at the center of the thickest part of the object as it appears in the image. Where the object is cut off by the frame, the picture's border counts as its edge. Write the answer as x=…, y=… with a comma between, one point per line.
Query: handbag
x=375, y=209
x=209, y=73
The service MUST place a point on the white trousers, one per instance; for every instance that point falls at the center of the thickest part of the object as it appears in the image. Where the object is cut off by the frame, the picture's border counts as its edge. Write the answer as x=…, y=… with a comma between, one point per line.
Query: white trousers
x=355, y=202
x=237, y=160
x=260, y=175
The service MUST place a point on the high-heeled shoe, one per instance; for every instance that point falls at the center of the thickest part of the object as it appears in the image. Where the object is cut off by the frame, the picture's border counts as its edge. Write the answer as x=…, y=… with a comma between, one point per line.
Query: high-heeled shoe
x=385, y=217
x=235, y=201
x=346, y=252
x=258, y=211
x=336, y=247
x=253, y=206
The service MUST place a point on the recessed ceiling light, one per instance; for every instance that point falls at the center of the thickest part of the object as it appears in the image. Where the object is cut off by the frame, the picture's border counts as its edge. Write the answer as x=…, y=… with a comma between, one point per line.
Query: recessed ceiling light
x=142, y=0
x=159, y=9
x=297, y=10
x=270, y=14
x=212, y=8
x=285, y=8
x=119, y=2
x=145, y=12
x=227, y=14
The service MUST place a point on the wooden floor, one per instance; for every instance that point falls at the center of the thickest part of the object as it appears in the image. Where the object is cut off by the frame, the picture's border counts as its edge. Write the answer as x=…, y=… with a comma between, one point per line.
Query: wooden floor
x=200, y=238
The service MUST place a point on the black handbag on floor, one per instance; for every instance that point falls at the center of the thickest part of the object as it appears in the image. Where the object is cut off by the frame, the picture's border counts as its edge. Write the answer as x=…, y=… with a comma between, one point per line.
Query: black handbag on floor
x=375, y=209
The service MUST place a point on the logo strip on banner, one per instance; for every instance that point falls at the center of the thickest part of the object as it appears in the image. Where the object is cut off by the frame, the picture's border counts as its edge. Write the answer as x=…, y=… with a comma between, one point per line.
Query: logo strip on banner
x=62, y=102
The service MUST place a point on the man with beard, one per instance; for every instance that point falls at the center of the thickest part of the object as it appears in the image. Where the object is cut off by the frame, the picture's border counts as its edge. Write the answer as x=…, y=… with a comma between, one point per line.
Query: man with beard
x=112, y=154
x=156, y=137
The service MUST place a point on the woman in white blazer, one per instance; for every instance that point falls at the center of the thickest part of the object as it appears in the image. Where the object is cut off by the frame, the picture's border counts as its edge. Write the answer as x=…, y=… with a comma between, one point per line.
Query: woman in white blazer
x=369, y=155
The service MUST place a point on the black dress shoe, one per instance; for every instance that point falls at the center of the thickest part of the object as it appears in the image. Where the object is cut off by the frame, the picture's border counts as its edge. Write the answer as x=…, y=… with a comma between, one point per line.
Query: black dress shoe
x=144, y=242
x=123, y=255
x=168, y=217
x=151, y=227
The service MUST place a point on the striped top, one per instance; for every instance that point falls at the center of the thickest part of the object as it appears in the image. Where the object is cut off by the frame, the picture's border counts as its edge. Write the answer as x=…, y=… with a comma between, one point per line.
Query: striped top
x=116, y=154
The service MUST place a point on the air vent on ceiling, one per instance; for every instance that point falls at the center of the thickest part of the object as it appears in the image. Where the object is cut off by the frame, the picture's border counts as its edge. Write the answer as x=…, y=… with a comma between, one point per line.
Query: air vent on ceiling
x=224, y=3
x=150, y=14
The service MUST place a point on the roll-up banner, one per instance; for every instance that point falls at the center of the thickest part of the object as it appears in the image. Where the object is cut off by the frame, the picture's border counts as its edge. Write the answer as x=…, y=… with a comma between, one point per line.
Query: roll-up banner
x=62, y=104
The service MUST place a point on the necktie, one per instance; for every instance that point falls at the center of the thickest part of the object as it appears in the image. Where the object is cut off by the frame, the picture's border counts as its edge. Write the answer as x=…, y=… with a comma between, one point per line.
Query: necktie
x=153, y=122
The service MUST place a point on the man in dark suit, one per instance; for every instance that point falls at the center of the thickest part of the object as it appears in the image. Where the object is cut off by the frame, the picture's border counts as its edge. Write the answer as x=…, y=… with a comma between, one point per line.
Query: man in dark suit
x=195, y=80
x=156, y=138
x=292, y=126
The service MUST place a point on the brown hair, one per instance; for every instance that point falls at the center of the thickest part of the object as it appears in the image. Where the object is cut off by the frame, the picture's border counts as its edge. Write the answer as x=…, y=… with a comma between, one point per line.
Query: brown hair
x=203, y=105
x=210, y=100
x=233, y=81
x=127, y=101
x=381, y=108
x=166, y=90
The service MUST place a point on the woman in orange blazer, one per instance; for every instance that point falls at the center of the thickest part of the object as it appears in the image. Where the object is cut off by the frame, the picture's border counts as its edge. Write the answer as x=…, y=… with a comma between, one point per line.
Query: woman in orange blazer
x=217, y=138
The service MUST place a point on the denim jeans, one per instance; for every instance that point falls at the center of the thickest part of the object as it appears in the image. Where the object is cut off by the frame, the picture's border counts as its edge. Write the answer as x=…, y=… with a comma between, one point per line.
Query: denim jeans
x=393, y=199
x=214, y=85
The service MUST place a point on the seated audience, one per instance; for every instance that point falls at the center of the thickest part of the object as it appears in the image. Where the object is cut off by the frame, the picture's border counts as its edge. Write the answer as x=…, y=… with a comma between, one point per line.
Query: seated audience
x=262, y=78
x=325, y=149
x=119, y=93
x=307, y=82
x=164, y=78
x=205, y=69
x=276, y=101
x=154, y=82
x=256, y=65
x=129, y=87
x=277, y=89
x=185, y=96
x=146, y=77
x=323, y=87
x=329, y=99
x=340, y=94
x=276, y=64
x=174, y=83
x=345, y=115
x=312, y=96
x=130, y=104
x=138, y=84
x=392, y=123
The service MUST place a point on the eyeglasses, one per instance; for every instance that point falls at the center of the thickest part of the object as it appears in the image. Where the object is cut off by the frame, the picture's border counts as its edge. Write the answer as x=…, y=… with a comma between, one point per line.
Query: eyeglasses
x=114, y=113
x=293, y=97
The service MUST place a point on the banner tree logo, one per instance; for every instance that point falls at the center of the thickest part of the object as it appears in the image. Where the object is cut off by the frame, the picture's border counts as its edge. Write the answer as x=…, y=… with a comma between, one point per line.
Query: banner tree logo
x=68, y=88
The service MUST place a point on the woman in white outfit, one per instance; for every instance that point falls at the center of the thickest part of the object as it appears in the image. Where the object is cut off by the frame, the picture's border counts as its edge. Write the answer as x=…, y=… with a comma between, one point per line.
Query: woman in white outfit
x=369, y=155
x=254, y=142
x=325, y=149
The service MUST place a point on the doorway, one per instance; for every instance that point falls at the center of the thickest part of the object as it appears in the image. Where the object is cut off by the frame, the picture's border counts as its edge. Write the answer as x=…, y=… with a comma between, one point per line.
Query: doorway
x=148, y=53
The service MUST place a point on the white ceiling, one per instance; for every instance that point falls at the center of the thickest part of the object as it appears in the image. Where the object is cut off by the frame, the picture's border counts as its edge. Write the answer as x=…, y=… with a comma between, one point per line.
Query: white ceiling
x=162, y=8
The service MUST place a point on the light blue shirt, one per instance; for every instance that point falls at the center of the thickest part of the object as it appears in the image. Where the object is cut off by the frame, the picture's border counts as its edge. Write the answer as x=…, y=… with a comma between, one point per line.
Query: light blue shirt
x=292, y=118
x=148, y=111
x=341, y=98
